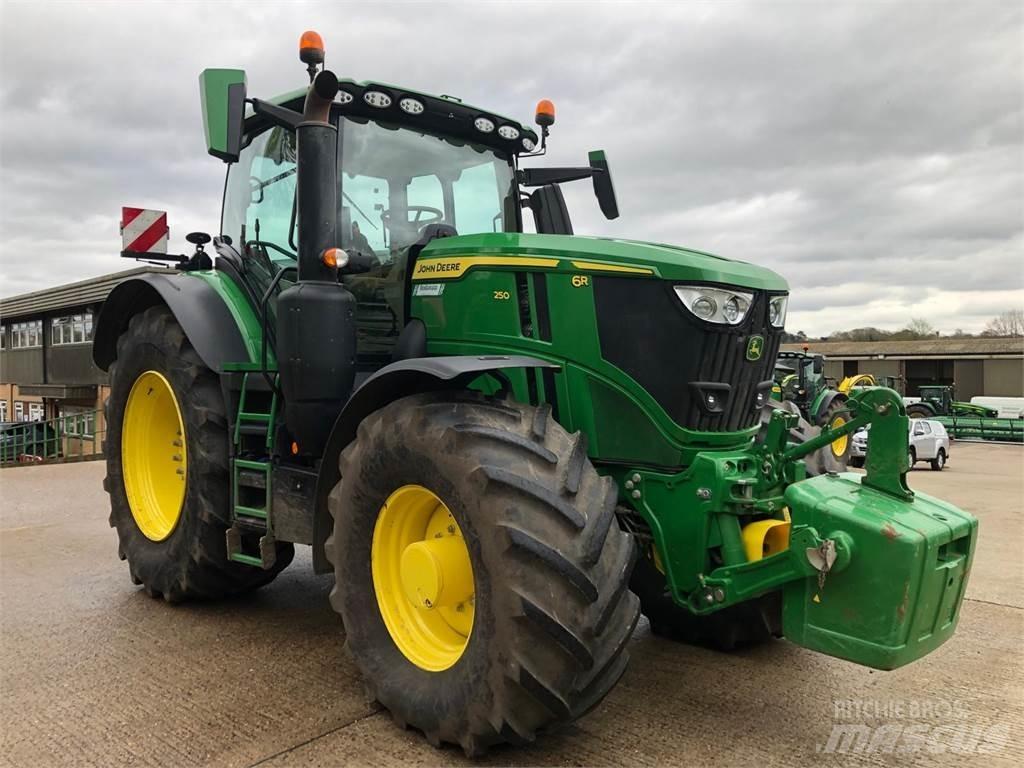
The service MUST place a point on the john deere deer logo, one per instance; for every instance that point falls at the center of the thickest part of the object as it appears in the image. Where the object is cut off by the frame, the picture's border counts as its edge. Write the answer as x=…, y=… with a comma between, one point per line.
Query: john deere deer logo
x=755, y=345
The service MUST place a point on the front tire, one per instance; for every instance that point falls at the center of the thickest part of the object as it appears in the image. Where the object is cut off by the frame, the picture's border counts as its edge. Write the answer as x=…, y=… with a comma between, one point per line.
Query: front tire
x=739, y=626
x=167, y=467
x=552, y=612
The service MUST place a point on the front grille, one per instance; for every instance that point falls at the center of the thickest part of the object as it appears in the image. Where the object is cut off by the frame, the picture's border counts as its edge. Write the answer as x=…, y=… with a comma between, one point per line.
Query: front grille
x=647, y=332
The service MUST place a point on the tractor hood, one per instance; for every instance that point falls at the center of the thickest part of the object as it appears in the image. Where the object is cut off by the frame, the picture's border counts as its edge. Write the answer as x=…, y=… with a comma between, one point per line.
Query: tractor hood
x=570, y=253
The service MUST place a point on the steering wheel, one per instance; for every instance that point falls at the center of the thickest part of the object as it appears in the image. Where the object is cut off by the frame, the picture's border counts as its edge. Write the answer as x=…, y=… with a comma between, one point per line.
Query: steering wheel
x=437, y=215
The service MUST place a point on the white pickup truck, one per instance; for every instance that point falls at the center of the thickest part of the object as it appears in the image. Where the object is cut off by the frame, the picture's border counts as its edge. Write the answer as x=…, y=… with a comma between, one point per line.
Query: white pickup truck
x=929, y=442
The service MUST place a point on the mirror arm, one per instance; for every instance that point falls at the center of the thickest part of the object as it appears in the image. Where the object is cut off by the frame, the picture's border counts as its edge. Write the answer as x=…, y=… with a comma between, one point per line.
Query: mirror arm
x=539, y=177
x=275, y=115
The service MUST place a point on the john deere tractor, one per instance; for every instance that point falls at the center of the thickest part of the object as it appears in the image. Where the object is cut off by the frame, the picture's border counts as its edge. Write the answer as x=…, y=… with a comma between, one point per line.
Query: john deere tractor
x=937, y=400
x=800, y=379
x=480, y=431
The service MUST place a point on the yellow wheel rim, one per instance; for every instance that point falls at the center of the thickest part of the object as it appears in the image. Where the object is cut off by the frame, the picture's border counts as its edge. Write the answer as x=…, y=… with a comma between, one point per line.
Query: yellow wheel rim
x=423, y=578
x=839, y=444
x=153, y=459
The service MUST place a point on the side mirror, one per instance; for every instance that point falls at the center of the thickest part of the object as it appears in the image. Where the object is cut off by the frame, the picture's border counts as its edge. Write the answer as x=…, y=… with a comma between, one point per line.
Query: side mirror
x=603, y=187
x=550, y=213
x=819, y=365
x=222, y=94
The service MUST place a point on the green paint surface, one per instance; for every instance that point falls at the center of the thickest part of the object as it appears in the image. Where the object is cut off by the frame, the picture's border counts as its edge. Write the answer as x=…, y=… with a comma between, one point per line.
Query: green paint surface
x=241, y=310
x=213, y=97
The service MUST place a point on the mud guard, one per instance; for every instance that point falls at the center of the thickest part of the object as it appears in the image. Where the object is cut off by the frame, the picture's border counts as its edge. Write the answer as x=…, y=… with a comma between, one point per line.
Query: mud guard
x=406, y=377
x=823, y=406
x=198, y=308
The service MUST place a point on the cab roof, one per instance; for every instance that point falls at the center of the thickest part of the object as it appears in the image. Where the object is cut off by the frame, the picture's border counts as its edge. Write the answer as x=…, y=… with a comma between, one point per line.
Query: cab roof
x=443, y=115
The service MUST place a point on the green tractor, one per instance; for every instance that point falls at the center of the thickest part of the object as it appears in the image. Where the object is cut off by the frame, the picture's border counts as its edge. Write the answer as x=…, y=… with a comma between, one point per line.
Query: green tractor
x=800, y=379
x=480, y=431
x=937, y=400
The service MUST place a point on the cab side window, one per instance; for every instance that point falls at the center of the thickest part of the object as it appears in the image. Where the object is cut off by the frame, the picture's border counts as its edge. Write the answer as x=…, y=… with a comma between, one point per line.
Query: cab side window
x=260, y=194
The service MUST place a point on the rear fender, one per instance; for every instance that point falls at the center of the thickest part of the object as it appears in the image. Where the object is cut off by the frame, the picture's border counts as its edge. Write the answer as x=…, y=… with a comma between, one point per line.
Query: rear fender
x=395, y=381
x=825, y=402
x=206, y=307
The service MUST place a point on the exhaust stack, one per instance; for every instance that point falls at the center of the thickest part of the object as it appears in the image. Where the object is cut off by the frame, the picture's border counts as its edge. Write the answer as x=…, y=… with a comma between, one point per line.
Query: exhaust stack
x=316, y=334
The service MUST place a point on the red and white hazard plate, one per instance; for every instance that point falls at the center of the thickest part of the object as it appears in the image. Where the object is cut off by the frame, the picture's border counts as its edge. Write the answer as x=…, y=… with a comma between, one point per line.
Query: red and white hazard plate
x=144, y=230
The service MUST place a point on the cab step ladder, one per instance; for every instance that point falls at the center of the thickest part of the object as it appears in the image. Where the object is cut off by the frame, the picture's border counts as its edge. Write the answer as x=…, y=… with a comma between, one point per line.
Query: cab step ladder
x=251, y=492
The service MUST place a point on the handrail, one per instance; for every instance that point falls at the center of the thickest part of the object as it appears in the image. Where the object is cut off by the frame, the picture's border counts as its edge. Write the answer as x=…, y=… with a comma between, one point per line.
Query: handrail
x=61, y=439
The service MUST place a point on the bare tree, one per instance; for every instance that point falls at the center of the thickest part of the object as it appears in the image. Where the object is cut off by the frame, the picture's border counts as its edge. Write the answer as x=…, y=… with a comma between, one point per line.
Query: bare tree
x=919, y=328
x=1009, y=323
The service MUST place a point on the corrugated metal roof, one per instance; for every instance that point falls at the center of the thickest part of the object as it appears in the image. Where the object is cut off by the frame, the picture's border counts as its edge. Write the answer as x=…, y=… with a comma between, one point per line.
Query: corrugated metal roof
x=947, y=347
x=84, y=292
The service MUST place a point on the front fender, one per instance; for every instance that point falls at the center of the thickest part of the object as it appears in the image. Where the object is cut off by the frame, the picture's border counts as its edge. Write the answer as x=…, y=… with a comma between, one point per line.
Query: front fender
x=825, y=402
x=206, y=307
x=390, y=383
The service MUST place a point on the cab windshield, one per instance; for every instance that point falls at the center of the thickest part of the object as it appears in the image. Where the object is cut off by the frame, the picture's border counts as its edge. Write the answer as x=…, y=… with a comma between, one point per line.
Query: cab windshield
x=394, y=182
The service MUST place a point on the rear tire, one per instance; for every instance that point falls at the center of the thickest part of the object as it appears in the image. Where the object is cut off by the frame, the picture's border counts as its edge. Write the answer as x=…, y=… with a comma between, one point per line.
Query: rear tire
x=833, y=417
x=552, y=609
x=191, y=562
x=856, y=461
x=939, y=461
x=917, y=411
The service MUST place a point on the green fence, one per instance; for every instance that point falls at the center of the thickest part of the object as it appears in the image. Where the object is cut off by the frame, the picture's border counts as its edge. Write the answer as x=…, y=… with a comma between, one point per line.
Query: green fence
x=74, y=437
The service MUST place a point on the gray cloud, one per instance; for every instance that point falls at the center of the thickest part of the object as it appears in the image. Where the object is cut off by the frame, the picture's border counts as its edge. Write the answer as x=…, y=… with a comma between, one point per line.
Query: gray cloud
x=871, y=153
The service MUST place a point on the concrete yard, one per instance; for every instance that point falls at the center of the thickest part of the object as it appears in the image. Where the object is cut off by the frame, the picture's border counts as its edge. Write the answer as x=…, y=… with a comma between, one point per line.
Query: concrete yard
x=93, y=672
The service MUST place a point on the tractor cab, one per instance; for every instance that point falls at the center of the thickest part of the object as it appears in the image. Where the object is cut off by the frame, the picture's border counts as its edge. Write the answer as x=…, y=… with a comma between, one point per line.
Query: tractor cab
x=411, y=168
x=940, y=397
x=397, y=187
x=799, y=377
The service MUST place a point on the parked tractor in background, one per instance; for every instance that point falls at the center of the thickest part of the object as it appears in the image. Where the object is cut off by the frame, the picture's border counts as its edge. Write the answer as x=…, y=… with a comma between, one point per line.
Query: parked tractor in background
x=800, y=379
x=964, y=420
x=479, y=431
x=937, y=400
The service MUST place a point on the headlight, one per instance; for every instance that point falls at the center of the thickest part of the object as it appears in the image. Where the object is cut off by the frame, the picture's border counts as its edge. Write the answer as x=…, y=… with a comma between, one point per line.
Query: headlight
x=528, y=144
x=508, y=132
x=484, y=125
x=777, y=311
x=716, y=305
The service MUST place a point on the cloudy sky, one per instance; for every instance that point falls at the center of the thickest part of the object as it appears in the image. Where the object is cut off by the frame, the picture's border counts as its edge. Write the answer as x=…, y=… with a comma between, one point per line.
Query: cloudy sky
x=871, y=152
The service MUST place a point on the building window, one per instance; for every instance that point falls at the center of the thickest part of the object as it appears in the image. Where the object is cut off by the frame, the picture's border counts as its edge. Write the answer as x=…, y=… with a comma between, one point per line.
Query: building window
x=3, y=337
x=19, y=411
x=35, y=411
x=78, y=422
x=3, y=410
x=27, y=334
x=71, y=329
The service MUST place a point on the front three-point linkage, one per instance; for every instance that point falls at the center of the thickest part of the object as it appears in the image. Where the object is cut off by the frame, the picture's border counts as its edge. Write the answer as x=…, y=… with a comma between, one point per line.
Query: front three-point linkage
x=812, y=553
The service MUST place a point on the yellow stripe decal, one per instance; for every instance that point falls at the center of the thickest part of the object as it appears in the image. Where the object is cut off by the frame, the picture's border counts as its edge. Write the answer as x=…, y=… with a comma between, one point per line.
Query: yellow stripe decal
x=599, y=267
x=457, y=266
